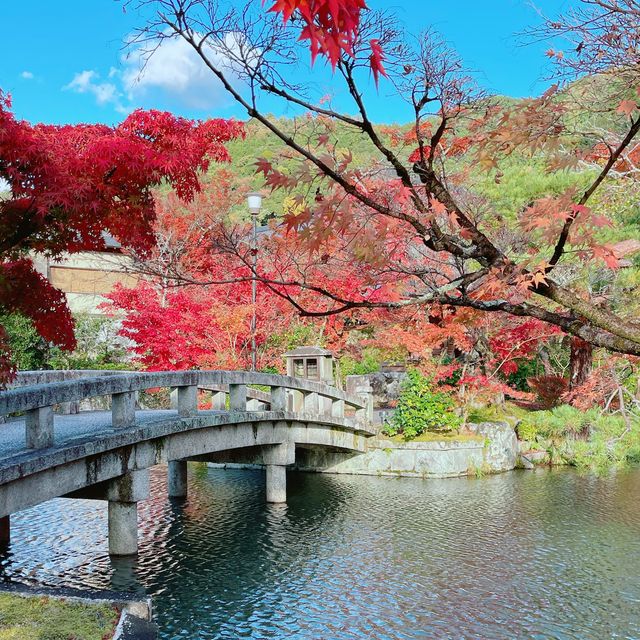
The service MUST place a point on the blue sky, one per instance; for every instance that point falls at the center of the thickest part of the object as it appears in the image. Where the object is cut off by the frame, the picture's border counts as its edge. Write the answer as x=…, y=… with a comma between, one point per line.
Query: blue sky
x=63, y=61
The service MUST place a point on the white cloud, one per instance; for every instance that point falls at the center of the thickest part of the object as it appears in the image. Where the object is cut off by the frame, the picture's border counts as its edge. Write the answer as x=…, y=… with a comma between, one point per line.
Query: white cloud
x=104, y=92
x=175, y=71
x=4, y=186
x=27, y=75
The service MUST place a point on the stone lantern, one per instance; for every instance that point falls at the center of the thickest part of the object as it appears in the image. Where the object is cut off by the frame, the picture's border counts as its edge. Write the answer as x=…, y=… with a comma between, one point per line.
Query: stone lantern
x=310, y=363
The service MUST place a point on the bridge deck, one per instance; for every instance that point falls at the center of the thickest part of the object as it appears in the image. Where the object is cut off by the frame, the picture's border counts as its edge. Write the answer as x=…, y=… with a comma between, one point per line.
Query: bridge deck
x=74, y=428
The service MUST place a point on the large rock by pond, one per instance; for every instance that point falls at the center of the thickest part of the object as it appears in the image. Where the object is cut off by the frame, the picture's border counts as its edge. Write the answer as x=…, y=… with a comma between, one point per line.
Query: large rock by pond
x=501, y=444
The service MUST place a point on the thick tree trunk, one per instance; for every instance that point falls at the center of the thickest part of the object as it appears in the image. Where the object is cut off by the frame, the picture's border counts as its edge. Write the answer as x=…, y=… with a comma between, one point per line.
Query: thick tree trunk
x=580, y=362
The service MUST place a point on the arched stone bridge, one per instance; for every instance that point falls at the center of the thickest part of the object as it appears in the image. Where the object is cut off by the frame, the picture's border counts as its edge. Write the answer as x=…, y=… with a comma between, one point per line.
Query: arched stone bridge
x=107, y=454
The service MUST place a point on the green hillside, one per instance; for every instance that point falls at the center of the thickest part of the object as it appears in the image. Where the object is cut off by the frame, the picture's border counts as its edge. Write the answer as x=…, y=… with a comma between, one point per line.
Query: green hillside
x=521, y=178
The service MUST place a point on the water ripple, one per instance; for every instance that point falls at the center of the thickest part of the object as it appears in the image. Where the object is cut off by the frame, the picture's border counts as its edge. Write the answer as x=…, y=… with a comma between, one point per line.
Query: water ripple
x=521, y=555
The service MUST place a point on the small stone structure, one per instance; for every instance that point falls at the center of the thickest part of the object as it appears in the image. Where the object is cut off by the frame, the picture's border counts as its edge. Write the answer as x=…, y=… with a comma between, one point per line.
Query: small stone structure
x=385, y=386
x=310, y=363
x=401, y=459
x=493, y=450
x=502, y=449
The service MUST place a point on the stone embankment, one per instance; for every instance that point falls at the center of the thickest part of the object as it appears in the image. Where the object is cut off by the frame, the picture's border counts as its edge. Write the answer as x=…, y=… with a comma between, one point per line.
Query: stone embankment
x=495, y=449
x=492, y=448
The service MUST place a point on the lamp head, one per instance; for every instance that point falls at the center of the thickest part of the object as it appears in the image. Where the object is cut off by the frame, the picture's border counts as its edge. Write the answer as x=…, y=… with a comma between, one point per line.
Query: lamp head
x=254, y=200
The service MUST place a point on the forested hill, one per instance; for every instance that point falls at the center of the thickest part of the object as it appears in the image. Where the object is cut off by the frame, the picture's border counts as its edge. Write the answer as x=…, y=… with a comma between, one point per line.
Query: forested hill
x=261, y=143
x=520, y=179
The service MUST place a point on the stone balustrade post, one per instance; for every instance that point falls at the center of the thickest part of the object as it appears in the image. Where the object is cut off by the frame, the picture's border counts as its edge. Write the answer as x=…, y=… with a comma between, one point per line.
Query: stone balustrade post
x=365, y=392
x=187, y=401
x=237, y=397
x=219, y=400
x=311, y=404
x=39, y=428
x=123, y=409
x=253, y=404
x=278, y=399
x=337, y=408
x=68, y=408
x=325, y=405
x=173, y=398
x=297, y=401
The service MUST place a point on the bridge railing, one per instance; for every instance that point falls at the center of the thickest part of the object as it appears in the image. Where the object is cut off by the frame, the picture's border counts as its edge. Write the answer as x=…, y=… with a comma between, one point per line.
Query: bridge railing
x=37, y=401
x=258, y=399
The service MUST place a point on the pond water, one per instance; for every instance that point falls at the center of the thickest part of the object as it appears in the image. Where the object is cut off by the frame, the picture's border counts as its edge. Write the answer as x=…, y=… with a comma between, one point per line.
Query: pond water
x=545, y=554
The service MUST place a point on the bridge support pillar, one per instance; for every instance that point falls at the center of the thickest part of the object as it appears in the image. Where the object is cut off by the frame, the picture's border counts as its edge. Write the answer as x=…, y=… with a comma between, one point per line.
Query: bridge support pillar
x=123, y=528
x=276, y=483
x=5, y=530
x=276, y=458
x=123, y=494
x=177, y=478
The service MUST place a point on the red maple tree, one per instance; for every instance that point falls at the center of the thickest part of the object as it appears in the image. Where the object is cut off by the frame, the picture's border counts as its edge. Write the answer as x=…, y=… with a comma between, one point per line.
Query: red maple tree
x=205, y=321
x=69, y=185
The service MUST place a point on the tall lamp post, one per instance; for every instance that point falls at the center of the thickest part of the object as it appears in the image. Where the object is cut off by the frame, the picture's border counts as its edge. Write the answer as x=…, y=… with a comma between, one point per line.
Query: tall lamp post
x=254, y=201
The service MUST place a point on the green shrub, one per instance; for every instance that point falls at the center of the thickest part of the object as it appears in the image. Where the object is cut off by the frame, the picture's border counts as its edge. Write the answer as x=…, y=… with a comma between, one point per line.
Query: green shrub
x=561, y=422
x=614, y=443
x=368, y=363
x=420, y=409
x=587, y=439
x=98, y=346
x=29, y=350
x=506, y=412
x=527, y=431
x=527, y=368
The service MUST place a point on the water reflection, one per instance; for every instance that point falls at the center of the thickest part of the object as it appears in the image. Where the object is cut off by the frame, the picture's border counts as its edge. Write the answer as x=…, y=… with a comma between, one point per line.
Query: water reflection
x=521, y=555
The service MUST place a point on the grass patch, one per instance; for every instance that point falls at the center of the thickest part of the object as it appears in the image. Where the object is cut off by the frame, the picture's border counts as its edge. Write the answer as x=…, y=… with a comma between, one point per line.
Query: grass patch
x=43, y=618
x=507, y=412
